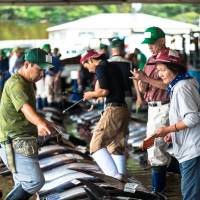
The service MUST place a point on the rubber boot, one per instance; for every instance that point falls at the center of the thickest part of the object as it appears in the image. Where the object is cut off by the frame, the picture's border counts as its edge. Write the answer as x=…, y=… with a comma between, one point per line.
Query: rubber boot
x=158, y=178
x=120, y=162
x=106, y=163
x=18, y=193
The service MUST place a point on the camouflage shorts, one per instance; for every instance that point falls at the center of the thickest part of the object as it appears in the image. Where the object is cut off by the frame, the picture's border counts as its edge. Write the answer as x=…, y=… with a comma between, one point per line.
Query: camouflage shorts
x=26, y=146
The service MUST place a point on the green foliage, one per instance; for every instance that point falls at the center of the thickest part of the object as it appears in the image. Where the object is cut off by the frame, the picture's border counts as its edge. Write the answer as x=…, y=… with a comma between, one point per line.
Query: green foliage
x=21, y=22
x=57, y=14
x=189, y=17
x=15, y=30
x=183, y=12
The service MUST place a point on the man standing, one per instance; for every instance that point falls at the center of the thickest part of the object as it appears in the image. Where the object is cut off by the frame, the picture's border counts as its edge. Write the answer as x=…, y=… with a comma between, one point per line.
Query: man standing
x=104, y=49
x=156, y=96
x=52, y=79
x=117, y=58
x=20, y=125
x=108, y=141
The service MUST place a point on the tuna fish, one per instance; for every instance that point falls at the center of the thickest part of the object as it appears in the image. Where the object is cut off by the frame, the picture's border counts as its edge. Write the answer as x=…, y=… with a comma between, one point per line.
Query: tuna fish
x=53, y=161
x=64, y=182
x=99, y=193
x=48, y=150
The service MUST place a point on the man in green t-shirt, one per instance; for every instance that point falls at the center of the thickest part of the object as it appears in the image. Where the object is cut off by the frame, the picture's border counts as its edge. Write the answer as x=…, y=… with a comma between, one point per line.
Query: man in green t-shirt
x=20, y=125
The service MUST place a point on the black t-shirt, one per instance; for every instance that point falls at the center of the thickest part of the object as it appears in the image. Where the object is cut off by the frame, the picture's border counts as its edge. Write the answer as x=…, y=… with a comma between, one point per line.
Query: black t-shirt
x=111, y=79
x=125, y=68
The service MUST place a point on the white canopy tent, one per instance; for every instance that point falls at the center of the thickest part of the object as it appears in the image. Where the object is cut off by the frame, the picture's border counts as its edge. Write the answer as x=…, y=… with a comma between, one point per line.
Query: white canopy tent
x=79, y=33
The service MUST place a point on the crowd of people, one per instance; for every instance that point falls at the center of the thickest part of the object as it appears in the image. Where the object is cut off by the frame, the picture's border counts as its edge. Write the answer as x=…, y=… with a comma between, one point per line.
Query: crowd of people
x=173, y=112
x=48, y=88
x=161, y=81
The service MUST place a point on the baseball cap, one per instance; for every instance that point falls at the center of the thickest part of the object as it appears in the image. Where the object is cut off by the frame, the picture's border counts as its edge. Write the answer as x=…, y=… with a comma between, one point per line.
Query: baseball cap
x=39, y=57
x=46, y=47
x=103, y=46
x=152, y=34
x=116, y=42
x=91, y=53
x=169, y=56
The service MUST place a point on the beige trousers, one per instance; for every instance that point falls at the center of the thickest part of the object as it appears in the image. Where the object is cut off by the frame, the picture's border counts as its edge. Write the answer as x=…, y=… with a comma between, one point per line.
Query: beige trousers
x=111, y=130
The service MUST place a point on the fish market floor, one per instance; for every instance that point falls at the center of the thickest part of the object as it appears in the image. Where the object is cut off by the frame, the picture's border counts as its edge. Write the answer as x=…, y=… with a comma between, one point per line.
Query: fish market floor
x=144, y=175
x=134, y=169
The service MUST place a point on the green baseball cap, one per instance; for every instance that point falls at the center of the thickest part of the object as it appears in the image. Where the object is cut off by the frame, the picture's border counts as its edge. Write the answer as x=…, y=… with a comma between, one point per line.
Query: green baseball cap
x=46, y=47
x=39, y=57
x=103, y=46
x=152, y=34
x=117, y=43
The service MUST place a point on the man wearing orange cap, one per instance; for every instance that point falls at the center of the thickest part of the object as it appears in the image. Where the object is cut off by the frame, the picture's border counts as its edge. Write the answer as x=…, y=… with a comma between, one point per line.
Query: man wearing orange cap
x=108, y=140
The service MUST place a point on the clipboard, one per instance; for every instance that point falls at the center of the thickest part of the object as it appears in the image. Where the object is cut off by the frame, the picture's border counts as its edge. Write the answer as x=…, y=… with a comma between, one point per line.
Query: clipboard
x=148, y=142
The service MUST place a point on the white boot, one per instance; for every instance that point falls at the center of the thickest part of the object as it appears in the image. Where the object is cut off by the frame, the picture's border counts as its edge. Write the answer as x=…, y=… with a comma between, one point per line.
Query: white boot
x=106, y=163
x=120, y=162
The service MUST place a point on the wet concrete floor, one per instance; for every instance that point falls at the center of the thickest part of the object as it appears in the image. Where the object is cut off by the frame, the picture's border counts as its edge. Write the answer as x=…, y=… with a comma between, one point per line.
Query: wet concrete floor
x=144, y=175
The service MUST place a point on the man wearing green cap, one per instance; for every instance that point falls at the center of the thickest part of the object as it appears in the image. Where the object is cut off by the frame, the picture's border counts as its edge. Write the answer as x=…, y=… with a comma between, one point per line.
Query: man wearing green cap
x=104, y=50
x=47, y=48
x=118, y=60
x=156, y=96
x=117, y=57
x=20, y=125
x=52, y=79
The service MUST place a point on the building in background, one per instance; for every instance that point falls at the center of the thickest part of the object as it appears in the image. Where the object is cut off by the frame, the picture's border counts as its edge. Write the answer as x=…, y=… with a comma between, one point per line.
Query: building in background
x=73, y=36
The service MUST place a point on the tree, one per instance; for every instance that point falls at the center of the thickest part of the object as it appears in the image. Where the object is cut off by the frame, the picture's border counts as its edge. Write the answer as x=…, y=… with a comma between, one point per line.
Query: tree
x=182, y=12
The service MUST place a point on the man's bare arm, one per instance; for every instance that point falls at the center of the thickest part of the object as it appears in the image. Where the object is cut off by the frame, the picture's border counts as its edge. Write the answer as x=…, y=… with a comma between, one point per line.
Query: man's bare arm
x=44, y=127
x=140, y=75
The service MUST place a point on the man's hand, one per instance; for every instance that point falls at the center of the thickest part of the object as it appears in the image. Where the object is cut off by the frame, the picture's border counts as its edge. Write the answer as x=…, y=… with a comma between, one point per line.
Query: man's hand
x=138, y=75
x=99, y=100
x=88, y=95
x=46, y=128
x=162, y=132
x=168, y=138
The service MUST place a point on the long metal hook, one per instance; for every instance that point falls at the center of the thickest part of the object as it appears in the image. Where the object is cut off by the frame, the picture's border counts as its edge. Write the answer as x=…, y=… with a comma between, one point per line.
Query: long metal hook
x=64, y=111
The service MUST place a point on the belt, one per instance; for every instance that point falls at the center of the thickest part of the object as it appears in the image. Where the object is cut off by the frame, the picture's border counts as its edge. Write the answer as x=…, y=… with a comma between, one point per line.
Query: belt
x=157, y=103
x=116, y=105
